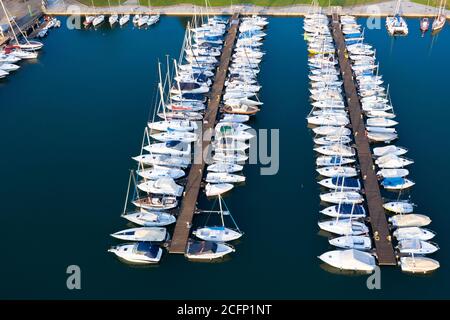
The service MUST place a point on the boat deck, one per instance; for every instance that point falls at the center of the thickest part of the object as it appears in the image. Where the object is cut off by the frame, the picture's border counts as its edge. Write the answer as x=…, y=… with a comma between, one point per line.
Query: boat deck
x=378, y=221
x=194, y=179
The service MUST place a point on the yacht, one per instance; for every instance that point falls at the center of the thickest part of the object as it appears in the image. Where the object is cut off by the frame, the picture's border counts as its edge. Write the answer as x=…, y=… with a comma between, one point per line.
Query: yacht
x=153, y=234
x=150, y=218
x=139, y=253
x=351, y=259
x=207, y=250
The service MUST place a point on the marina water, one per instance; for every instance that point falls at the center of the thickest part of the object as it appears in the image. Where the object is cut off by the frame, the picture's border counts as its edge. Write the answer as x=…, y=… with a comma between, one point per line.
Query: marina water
x=71, y=121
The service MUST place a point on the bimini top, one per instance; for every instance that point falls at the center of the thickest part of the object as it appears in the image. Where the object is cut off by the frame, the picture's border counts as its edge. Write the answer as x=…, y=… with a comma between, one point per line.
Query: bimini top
x=200, y=247
x=148, y=249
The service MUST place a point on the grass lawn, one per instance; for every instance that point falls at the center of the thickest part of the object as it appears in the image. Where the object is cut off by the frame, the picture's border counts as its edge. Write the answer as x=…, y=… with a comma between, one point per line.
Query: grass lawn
x=270, y=3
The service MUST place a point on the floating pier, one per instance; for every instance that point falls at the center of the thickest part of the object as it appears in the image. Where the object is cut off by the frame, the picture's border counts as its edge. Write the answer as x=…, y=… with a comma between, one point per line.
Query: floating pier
x=377, y=217
x=194, y=179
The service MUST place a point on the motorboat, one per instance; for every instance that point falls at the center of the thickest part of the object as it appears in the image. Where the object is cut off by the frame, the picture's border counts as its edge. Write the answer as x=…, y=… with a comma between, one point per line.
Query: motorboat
x=30, y=45
x=351, y=259
x=410, y=220
x=393, y=173
x=352, y=242
x=341, y=183
x=164, y=185
x=181, y=136
x=416, y=246
x=207, y=250
x=98, y=20
x=153, y=19
x=173, y=148
x=385, y=137
x=399, y=207
x=155, y=172
x=150, y=218
x=396, y=183
x=156, y=202
x=337, y=171
x=215, y=189
x=344, y=227
x=153, y=234
x=333, y=161
x=224, y=177
x=138, y=252
x=230, y=157
x=342, y=197
x=345, y=211
x=124, y=19
x=8, y=67
x=3, y=74
x=113, y=19
x=175, y=125
x=7, y=58
x=418, y=264
x=391, y=149
x=332, y=131
x=224, y=167
x=391, y=161
x=381, y=122
x=88, y=21
x=163, y=160
x=413, y=233
x=336, y=150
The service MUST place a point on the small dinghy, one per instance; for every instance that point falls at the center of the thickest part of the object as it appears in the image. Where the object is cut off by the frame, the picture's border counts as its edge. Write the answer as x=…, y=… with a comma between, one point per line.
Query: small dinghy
x=394, y=150
x=153, y=234
x=413, y=233
x=157, y=172
x=140, y=252
x=351, y=259
x=323, y=161
x=150, y=218
x=207, y=250
x=391, y=161
x=341, y=183
x=224, y=177
x=393, y=173
x=336, y=150
x=342, y=197
x=331, y=130
x=396, y=183
x=415, y=246
x=337, y=171
x=418, y=264
x=352, y=242
x=163, y=185
x=215, y=189
x=344, y=227
x=399, y=207
x=410, y=220
x=156, y=202
x=224, y=167
x=345, y=211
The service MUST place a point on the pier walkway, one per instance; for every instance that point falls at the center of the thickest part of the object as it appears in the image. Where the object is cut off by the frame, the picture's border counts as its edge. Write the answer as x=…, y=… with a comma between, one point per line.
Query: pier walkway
x=378, y=221
x=192, y=189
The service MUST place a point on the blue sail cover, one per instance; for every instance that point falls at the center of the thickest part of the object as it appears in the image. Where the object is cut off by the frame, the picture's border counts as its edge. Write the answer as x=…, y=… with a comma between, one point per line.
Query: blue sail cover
x=193, y=96
x=188, y=85
x=346, y=182
x=336, y=159
x=347, y=209
x=392, y=182
x=147, y=248
x=172, y=143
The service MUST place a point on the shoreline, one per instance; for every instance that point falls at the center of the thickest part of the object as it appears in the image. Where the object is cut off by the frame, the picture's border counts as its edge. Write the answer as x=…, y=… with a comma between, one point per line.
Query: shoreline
x=382, y=9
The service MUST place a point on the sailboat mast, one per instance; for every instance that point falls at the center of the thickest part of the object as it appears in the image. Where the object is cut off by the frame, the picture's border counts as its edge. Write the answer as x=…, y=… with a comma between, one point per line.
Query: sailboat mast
x=221, y=210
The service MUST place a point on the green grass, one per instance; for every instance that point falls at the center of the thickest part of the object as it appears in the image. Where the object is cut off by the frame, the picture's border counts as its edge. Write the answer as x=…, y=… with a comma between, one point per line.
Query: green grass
x=264, y=3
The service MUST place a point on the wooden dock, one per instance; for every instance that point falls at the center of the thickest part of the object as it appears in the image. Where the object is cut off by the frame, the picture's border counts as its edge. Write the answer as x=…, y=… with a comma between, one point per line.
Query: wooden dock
x=189, y=201
x=378, y=221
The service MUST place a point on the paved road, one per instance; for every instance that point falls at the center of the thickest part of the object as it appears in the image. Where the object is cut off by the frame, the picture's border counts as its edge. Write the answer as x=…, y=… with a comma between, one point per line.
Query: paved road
x=382, y=9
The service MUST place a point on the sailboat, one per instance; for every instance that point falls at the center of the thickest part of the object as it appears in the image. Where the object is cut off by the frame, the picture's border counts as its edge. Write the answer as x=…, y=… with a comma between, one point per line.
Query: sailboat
x=439, y=21
x=26, y=45
x=219, y=233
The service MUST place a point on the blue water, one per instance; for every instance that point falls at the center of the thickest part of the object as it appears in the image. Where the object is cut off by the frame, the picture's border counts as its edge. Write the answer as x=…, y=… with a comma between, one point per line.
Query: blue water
x=71, y=121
